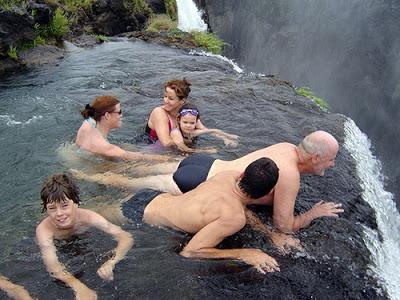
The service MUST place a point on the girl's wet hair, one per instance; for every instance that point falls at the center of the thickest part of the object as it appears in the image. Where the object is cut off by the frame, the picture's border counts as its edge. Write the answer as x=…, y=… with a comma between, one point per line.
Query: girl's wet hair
x=189, y=108
x=99, y=106
x=181, y=87
x=57, y=188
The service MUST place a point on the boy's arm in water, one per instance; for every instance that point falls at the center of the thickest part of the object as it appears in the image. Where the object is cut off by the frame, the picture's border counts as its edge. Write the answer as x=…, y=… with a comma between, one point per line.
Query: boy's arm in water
x=281, y=240
x=203, y=244
x=123, y=238
x=13, y=290
x=44, y=237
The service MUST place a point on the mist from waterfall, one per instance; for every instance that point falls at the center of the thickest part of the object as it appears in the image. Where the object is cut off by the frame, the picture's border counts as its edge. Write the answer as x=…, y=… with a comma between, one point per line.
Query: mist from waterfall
x=189, y=17
x=347, y=52
x=385, y=253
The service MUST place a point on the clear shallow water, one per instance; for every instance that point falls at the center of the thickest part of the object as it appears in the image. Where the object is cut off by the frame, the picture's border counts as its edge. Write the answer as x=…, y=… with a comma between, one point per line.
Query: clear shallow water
x=40, y=113
x=41, y=110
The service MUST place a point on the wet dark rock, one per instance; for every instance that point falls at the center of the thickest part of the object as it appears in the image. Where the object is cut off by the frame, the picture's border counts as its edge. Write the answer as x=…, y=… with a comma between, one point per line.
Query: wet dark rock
x=15, y=30
x=157, y=6
x=85, y=41
x=41, y=12
x=8, y=66
x=113, y=17
x=42, y=54
x=183, y=40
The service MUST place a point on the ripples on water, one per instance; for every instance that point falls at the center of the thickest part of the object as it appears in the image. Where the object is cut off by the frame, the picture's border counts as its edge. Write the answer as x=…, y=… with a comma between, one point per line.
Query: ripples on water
x=41, y=114
x=39, y=119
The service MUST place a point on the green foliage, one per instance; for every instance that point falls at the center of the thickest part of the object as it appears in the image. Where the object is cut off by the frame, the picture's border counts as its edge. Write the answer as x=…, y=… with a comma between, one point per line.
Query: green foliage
x=306, y=92
x=138, y=7
x=13, y=4
x=101, y=38
x=171, y=9
x=208, y=40
x=59, y=24
x=161, y=22
x=12, y=53
x=37, y=41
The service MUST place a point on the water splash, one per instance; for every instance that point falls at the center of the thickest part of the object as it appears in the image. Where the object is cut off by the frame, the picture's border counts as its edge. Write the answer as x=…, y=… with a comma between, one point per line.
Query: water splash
x=10, y=120
x=386, y=254
x=189, y=17
x=229, y=61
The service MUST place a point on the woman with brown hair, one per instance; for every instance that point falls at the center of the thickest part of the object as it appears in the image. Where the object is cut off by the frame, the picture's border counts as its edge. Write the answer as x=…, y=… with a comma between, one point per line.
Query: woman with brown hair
x=103, y=115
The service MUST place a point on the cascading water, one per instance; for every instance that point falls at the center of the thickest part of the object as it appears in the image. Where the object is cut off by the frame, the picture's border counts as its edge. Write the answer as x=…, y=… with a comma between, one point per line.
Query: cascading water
x=386, y=253
x=189, y=17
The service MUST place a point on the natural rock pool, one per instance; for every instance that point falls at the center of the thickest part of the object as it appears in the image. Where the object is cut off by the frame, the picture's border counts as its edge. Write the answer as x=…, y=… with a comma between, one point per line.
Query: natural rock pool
x=40, y=115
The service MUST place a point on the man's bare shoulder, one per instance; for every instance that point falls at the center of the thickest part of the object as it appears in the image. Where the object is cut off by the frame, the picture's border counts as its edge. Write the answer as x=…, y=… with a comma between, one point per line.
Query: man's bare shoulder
x=229, y=174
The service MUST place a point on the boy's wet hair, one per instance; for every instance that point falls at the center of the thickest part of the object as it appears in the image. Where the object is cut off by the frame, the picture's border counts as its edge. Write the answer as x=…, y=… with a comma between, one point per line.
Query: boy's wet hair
x=259, y=178
x=57, y=188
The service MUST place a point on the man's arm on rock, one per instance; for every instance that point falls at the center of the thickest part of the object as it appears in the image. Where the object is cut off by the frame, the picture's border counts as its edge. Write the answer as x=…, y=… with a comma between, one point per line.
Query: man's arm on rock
x=203, y=243
x=284, y=200
x=281, y=240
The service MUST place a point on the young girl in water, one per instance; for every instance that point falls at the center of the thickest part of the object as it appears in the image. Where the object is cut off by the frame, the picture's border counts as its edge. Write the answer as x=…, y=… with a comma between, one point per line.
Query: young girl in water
x=185, y=134
x=164, y=119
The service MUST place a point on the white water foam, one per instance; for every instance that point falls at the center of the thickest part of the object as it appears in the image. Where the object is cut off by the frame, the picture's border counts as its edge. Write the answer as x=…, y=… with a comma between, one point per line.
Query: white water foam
x=10, y=120
x=230, y=61
x=189, y=17
x=386, y=254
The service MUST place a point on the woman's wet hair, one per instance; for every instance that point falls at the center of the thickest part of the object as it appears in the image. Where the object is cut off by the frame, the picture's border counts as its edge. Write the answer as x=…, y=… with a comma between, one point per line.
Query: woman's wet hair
x=57, y=188
x=99, y=106
x=181, y=87
x=189, y=108
x=259, y=178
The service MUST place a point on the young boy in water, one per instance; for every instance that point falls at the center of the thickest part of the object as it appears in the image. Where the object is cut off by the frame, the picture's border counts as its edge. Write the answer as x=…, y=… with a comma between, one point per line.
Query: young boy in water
x=60, y=198
x=185, y=134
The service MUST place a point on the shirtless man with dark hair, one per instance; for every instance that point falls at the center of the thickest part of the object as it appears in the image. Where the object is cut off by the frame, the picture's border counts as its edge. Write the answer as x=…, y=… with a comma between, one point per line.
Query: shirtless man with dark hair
x=211, y=212
x=315, y=154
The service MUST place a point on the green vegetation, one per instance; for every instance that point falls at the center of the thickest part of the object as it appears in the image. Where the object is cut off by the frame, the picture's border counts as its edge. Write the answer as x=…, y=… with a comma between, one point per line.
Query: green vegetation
x=59, y=24
x=13, y=4
x=12, y=53
x=306, y=92
x=171, y=9
x=161, y=22
x=101, y=38
x=138, y=7
x=208, y=40
x=57, y=27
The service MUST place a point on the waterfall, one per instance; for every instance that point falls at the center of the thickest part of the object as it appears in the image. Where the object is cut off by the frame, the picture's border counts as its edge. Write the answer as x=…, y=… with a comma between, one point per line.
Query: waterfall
x=189, y=17
x=386, y=253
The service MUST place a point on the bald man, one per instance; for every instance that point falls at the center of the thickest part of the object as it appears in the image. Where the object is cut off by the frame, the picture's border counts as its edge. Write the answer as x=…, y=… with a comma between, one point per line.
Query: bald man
x=316, y=153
